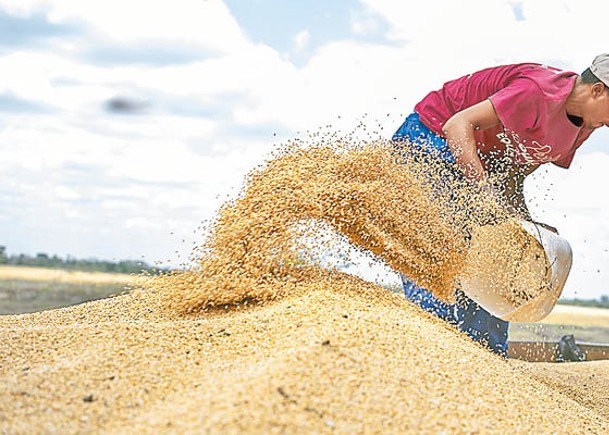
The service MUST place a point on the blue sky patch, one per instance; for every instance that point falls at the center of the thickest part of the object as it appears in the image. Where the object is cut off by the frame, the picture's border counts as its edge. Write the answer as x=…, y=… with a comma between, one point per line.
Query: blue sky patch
x=517, y=9
x=279, y=23
x=12, y=104
x=35, y=29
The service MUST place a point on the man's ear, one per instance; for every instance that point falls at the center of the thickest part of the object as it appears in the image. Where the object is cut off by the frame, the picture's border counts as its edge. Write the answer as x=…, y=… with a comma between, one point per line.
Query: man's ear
x=598, y=89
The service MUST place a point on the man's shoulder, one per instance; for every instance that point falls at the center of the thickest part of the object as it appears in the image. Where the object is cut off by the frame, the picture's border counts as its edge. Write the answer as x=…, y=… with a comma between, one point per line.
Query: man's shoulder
x=524, y=70
x=554, y=83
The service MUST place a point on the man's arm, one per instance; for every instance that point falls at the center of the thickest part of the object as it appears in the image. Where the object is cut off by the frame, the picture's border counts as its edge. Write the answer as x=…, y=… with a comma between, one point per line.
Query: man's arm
x=459, y=131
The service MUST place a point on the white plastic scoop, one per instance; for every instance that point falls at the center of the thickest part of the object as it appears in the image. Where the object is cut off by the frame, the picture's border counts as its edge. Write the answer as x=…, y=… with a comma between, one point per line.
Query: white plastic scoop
x=546, y=256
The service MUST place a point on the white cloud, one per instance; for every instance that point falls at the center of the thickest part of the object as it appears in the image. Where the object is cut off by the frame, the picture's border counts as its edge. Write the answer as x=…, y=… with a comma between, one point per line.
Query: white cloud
x=23, y=8
x=450, y=35
x=302, y=39
x=207, y=23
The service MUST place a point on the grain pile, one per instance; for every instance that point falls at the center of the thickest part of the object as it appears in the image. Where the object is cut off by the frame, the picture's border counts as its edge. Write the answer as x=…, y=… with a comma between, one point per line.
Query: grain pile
x=587, y=384
x=260, y=339
x=337, y=355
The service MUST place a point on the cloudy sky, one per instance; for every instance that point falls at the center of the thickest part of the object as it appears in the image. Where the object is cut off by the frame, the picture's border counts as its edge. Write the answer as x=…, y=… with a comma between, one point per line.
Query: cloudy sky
x=125, y=124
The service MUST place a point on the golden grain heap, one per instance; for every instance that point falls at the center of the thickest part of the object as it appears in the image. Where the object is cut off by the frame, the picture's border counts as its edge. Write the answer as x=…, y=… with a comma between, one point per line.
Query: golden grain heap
x=316, y=350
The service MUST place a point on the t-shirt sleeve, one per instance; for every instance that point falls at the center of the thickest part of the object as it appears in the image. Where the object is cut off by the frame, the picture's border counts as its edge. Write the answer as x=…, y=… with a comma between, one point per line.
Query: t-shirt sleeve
x=519, y=105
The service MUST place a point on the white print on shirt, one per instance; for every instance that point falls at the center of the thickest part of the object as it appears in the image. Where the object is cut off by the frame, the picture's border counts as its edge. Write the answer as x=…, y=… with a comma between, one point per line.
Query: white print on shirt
x=534, y=153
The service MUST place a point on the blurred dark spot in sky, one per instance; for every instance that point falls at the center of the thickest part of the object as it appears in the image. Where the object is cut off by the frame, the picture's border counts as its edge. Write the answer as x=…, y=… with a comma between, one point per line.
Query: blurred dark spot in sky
x=125, y=106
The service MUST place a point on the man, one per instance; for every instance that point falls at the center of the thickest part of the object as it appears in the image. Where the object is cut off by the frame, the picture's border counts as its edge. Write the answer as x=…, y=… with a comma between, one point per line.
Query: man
x=502, y=123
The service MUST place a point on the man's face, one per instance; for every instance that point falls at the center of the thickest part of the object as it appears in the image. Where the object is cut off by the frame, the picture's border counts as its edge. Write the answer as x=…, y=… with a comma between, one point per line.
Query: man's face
x=596, y=110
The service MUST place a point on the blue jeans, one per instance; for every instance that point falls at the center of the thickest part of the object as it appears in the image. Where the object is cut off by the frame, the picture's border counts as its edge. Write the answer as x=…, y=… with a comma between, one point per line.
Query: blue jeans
x=465, y=314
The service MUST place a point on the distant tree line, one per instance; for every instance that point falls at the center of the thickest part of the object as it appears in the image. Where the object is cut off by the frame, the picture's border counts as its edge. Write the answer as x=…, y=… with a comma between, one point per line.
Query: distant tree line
x=602, y=302
x=70, y=263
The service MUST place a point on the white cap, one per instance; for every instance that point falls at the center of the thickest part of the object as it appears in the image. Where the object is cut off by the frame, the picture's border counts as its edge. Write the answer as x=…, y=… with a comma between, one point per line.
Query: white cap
x=600, y=68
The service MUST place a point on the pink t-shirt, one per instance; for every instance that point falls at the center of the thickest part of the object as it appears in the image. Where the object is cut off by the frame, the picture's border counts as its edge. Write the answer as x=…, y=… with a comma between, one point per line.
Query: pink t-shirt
x=529, y=100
